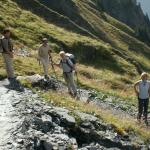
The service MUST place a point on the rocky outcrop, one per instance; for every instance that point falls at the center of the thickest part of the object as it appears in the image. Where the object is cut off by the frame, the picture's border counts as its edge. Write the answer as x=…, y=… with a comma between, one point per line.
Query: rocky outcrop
x=41, y=126
x=88, y=96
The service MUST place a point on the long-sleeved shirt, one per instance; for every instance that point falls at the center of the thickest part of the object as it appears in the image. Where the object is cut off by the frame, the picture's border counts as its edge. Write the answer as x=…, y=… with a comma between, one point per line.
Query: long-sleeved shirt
x=43, y=51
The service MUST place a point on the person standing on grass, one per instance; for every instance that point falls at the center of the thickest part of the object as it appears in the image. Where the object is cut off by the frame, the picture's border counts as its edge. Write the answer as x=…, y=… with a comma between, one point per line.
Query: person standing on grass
x=68, y=67
x=142, y=90
x=43, y=56
x=7, y=53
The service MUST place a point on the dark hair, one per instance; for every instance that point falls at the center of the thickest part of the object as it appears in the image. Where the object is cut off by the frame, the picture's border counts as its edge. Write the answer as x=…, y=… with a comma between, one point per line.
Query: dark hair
x=6, y=31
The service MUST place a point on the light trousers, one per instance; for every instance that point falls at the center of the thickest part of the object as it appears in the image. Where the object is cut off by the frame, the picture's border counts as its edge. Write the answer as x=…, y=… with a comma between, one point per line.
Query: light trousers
x=45, y=63
x=8, y=60
x=69, y=78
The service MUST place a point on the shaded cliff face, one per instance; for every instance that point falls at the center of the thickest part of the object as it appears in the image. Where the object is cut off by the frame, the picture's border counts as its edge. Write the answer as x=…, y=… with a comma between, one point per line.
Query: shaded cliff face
x=127, y=11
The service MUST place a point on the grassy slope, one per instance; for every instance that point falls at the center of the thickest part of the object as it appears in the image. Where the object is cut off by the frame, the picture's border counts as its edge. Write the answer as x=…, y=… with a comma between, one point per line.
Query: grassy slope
x=105, y=67
x=103, y=74
x=29, y=29
x=89, y=15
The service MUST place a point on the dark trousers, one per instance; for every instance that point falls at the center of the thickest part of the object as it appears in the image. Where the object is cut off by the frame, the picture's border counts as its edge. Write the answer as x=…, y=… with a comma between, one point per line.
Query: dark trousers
x=143, y=108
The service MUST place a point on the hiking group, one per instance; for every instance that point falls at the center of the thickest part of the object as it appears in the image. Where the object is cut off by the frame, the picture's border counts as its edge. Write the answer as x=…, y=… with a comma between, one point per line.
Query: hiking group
x=67, y=61
x=68, y=65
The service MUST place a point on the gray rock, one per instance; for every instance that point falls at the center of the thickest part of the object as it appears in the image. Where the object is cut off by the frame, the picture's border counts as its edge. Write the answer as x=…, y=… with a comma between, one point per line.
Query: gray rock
x=44, y=124
x=64, y=117
x=47, y=145
x=20, y=141
x=87, y=117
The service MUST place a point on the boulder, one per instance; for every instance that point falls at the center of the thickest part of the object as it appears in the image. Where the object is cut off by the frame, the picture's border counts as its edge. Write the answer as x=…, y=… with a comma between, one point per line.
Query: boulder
x=86, y=117
x=65, y=119
x=44, y=123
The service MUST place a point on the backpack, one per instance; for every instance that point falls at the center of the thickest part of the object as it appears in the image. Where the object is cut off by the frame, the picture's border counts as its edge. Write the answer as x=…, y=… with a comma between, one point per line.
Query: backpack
x=1, y=46
x=71, y=57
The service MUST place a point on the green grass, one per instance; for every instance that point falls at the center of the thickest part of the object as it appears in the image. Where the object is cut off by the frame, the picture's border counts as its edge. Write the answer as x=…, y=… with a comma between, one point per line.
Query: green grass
x=28, y=29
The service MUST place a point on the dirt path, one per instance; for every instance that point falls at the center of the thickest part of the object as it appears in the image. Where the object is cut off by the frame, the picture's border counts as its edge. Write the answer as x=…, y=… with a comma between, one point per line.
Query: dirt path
x=8, y=118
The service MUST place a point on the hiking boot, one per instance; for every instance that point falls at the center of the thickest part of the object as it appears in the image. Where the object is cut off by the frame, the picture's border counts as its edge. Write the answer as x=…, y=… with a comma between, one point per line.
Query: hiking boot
x=70, y=93
x=146, y=122
x=15, y=85
x=46, y=77
x=75, y=94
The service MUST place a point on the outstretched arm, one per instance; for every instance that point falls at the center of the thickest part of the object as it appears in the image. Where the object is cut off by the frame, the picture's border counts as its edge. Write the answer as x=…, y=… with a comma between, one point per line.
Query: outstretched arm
x=39, y=53
x=149, y=91
x=135, y=88
x=5, y=45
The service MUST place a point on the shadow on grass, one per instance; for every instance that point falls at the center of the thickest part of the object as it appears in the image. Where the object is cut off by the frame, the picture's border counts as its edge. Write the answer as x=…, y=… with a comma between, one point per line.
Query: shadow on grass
x=43, y=10
x=2, y=77
x=97, y=56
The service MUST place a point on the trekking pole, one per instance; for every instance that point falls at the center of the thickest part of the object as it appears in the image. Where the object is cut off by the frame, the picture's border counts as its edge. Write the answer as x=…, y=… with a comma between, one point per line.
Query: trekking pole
x=52, y=65
x=77, y=78
x=40, y=65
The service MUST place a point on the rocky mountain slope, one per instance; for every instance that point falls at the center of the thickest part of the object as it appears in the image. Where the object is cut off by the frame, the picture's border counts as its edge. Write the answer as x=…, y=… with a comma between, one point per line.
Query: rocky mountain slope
x=35, y=124
x=110, y=60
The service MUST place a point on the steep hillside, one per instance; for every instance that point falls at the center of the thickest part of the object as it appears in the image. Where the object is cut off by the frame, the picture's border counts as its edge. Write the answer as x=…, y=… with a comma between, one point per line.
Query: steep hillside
x=108, y=47
x=89, y=16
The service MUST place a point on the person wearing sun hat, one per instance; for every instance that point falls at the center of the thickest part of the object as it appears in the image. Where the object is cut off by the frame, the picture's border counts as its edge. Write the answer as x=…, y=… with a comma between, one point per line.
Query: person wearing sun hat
x=43, y=56
x=7, y=53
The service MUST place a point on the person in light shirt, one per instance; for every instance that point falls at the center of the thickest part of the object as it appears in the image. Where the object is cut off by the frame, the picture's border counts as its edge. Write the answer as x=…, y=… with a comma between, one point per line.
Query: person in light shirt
x=43, y=56
x=142, y=90
x=68, y=68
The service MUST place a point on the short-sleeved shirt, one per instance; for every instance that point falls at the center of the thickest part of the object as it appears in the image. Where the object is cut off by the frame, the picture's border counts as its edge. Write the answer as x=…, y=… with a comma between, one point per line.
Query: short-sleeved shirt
x=7, y=44
x=144, y=87
x=44, y=50
x=66, y=65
